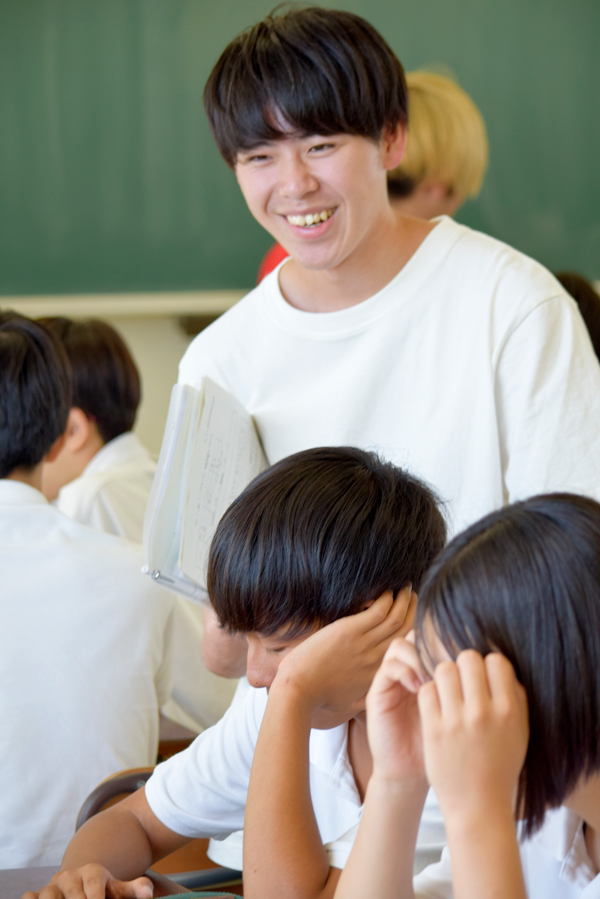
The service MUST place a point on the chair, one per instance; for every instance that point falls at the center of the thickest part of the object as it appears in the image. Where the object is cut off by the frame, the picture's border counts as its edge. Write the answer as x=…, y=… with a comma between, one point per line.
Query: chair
x=189, y=866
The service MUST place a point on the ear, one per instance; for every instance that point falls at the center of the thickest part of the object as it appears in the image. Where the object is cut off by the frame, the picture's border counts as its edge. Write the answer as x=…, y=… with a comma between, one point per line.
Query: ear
x=393, y=145
x=55, y=449
x=78, y=429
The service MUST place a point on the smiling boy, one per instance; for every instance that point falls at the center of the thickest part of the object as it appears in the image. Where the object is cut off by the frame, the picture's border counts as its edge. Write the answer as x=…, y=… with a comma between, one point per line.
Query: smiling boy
x=314, y=564
x=449, y=352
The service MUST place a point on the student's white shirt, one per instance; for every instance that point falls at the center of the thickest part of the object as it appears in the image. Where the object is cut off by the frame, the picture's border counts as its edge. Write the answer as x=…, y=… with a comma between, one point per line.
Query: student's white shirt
x=112, y=492
x=201, y=792
x=85, y=664
x=555, y=861
x=111, y=495
x=472, y=368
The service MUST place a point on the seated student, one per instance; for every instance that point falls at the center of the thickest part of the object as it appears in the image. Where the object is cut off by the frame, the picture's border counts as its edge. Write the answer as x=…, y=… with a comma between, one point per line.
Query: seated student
x=323, y=534
x=103, y=475
x=85, y=640
x=509, y=624
x=445, y=160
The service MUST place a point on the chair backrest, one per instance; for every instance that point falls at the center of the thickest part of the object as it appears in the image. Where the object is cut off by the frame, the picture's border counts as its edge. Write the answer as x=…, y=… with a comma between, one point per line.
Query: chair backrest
x=112, y=790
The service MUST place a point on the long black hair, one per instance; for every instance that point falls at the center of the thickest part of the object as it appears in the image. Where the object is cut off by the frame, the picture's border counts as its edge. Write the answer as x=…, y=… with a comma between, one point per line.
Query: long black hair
x=525, y=581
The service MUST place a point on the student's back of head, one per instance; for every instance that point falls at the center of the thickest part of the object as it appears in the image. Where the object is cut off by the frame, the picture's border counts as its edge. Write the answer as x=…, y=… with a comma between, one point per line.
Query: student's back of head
x=447, y=149
x=35, y=393
x=106, y=382
x=316, y=537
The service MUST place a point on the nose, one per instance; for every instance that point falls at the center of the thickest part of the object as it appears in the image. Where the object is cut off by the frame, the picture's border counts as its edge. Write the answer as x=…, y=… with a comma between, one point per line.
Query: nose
x=296, y=178
x=260, y=669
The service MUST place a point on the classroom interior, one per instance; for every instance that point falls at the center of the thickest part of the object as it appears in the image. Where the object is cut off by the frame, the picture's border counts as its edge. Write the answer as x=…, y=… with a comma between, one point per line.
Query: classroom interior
x=115, y=204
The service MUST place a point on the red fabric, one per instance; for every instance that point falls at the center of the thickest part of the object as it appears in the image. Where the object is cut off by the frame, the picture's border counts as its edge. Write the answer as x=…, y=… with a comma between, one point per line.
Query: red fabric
x=271, y=260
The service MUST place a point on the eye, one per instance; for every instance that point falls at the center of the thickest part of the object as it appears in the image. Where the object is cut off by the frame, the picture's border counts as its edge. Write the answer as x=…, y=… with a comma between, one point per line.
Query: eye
x=321, y=148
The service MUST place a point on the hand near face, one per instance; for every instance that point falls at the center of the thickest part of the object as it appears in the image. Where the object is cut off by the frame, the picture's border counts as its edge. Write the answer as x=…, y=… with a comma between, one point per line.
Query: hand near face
x=475, y=733
x=393, y=721
x=334, y=667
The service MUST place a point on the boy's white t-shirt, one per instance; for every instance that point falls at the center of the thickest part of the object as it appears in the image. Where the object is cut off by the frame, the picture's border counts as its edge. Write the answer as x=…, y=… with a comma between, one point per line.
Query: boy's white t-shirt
x=472, y=368
x=201, y=792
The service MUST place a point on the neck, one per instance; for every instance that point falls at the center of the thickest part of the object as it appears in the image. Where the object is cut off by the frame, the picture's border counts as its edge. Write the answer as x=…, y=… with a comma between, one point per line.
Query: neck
x=30, y=476
x=367, y=270
x=585, y=802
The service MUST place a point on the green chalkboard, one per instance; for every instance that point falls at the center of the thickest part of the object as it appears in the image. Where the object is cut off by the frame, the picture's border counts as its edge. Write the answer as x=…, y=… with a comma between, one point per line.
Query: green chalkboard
x=109, y=180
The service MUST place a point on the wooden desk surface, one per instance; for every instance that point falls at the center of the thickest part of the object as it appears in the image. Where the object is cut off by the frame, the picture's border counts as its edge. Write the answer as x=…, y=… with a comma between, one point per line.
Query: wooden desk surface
x=16, y=881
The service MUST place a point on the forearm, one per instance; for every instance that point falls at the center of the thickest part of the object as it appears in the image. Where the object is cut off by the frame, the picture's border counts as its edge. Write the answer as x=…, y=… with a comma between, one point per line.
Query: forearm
x=485, y=855
x=223, y=653
x=114, y=839
x=283, y=850
x=381, y=861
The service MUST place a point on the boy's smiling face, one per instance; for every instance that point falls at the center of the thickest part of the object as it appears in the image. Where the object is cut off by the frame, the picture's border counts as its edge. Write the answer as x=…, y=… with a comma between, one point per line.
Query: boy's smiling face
x=320, y=196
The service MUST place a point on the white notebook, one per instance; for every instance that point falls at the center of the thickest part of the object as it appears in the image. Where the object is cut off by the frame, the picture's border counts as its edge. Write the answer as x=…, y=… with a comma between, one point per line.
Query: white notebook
x=209, y=454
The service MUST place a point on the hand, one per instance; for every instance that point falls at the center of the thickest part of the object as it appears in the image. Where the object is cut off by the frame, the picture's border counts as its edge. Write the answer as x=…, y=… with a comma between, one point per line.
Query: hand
x=393, y=721
x=93, y=882
x=475, y=733
x=334, y=667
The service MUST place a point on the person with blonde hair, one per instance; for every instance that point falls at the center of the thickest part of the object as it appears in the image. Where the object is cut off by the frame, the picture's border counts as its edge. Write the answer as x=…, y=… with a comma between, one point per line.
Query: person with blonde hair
x=446, y=152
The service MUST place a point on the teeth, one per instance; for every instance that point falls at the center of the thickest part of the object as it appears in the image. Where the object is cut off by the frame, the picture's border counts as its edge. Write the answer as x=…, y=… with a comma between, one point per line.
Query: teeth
x=303, y=221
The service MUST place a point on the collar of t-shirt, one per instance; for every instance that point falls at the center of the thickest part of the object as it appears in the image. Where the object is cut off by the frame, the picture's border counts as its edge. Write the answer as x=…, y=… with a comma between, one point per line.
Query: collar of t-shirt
x=16, y=493
x=562, y=836
x=404, y=286
x=123, y=450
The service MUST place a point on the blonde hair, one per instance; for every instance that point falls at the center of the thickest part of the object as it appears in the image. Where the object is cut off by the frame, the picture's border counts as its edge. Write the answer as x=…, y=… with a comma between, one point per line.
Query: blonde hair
x=447, y=139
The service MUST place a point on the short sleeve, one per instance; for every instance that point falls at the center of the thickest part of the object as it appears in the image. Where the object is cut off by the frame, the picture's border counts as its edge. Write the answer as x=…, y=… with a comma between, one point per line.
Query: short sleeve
x=201, y=792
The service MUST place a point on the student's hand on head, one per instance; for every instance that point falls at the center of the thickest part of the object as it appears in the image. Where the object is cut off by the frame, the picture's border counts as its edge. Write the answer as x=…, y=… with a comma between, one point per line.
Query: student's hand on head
x=93, y=882
x=393, y=721
x=334, y=667
x=475, y=733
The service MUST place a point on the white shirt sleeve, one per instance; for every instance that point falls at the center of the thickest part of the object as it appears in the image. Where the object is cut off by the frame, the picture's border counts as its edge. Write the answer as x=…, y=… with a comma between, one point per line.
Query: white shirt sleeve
x=201, y=792
x=547, y=394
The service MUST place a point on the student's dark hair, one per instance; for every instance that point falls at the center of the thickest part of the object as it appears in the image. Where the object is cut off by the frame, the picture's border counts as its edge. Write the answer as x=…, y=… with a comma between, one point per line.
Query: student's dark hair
x=525, y=581
x=35, y=392
x=307, y=71
x=106, y=382
x=588, y=301
x=318, y=535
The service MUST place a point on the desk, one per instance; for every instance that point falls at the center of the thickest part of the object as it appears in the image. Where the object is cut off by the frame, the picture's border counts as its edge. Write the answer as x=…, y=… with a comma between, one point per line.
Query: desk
x=14, y=882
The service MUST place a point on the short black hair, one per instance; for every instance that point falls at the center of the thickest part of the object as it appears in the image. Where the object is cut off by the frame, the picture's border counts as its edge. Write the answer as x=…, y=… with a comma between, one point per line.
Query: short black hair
x=316, y=536
x=106, y=382
x=525, y=581
x=307, y=71
x=35, y=392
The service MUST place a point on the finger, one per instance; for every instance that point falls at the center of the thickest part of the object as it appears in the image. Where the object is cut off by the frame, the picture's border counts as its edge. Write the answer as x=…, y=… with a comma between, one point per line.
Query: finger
x=395, y=672
x=500, y=675
x=507, y=693
x=430, y=709
x=403, y=652
x=398, y=609
x=409, y=619
x=376, y=613
x=140, y=888
x=449, y=689
x=473, y=680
